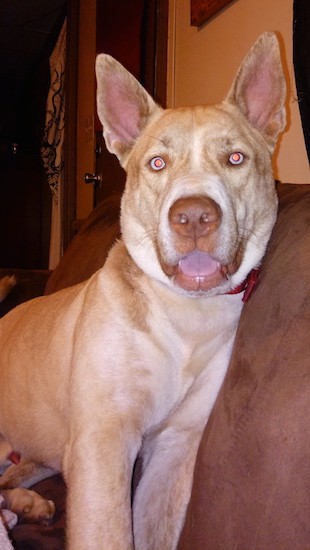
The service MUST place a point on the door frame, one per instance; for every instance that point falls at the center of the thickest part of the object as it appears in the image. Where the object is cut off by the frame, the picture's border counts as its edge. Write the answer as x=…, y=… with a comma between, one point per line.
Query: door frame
x=68, y=197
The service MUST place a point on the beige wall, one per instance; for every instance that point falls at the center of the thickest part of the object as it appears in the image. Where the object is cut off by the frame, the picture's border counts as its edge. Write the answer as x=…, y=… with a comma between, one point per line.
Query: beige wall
x=202, y=63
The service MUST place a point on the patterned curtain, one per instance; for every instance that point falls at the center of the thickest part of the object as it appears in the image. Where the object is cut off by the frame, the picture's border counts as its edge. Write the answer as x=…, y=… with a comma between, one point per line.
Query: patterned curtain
x=52, y=151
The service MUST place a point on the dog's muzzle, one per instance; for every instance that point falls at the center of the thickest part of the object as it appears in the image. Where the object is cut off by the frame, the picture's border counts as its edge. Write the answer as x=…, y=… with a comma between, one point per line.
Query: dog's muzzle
x=193, y=219
x=194, y=223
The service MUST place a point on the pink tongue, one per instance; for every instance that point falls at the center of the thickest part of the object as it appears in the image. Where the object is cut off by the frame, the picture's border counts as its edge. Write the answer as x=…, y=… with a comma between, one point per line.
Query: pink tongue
x=198, y=264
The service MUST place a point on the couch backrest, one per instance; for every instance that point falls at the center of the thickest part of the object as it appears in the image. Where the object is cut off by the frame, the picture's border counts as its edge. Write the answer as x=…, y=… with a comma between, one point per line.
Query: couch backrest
x=88, y=250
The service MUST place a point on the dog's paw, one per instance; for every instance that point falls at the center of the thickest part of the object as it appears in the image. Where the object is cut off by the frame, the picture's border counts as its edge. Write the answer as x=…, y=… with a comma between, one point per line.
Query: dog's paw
x=29, y=506
x=7, y=516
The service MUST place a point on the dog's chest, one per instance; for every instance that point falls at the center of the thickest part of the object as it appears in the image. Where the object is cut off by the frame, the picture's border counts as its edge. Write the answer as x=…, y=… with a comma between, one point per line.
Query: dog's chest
x=183, y=342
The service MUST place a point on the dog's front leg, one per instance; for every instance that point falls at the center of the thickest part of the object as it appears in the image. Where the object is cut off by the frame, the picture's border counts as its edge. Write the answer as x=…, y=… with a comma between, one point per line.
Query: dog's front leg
x=164, y=490
x=98, y=470
x=169, y=458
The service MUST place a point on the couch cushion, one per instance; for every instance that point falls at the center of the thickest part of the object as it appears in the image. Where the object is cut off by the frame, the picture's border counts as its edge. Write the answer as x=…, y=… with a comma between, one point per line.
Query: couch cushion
x=29, y=284
x=252, y=478
x=89, y=248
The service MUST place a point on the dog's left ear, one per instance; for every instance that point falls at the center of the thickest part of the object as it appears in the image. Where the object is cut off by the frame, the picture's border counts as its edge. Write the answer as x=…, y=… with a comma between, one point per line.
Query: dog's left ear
x=124, y=106
x=259, y=89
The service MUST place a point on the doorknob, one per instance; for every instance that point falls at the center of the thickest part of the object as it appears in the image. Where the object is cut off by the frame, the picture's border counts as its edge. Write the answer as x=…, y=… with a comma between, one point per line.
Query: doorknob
x=95, y=179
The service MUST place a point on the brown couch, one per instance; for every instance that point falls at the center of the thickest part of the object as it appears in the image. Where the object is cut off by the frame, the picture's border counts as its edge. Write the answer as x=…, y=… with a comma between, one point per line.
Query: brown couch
x=252, y=480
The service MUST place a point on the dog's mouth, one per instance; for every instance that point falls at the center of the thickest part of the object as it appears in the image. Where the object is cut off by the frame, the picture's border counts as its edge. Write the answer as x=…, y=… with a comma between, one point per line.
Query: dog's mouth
x=199, y=272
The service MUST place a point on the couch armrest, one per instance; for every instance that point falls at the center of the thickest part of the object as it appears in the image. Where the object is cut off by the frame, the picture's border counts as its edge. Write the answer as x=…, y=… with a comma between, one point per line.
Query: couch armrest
x=252, y=476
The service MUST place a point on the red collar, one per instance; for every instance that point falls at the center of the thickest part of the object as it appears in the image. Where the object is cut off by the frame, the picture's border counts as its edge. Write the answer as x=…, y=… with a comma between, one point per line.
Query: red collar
x=14, y=457
x=248, y=285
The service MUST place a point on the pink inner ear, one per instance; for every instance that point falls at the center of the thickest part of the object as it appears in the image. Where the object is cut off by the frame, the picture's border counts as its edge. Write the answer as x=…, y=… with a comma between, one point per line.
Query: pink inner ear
x=261, y=93
x=122, y=109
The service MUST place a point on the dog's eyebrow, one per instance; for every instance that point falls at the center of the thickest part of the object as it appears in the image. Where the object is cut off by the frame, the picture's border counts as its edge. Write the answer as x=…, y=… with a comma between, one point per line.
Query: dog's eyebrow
x=231, y=138
x=165, y=141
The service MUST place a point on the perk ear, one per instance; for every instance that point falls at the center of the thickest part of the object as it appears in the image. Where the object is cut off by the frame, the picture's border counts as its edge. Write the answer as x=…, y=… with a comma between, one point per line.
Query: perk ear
x=259, y=89
x=124, y=106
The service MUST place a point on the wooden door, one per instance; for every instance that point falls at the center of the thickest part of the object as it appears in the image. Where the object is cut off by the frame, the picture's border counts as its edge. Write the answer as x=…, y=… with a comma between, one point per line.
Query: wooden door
x=136, y=35
x=120, y=34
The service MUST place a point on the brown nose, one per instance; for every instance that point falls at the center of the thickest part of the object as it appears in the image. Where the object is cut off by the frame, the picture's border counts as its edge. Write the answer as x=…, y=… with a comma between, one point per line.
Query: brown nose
x=194, y=217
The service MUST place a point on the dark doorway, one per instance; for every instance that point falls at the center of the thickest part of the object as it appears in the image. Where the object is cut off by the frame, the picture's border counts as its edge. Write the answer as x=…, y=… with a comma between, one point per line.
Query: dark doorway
x=28, y=33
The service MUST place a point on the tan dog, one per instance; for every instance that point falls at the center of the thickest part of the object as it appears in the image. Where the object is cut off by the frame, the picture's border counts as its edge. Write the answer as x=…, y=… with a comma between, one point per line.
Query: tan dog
x=133, y=359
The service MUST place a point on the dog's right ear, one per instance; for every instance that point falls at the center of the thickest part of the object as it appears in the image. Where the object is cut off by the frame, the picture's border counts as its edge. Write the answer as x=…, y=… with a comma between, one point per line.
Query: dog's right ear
x=124, y=106
x=259, y=89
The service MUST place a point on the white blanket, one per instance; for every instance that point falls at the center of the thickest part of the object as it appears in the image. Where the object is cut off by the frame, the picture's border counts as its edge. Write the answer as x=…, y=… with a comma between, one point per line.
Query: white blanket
x=5, y=543
x=9, y=519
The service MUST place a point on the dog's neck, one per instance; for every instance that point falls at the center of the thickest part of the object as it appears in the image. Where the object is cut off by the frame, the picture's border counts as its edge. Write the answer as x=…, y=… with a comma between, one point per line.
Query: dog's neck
x=248, y=285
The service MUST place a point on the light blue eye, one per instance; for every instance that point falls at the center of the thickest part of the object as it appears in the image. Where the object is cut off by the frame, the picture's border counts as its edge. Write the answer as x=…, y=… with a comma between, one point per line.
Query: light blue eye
x=236, y=158
x=157, y=163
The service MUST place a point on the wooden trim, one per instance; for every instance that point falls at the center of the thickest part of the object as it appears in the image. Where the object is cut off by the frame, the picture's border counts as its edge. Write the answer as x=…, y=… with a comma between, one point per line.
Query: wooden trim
x=155, y=39
x=161, y=54
x=69, y=188
x=86, y=107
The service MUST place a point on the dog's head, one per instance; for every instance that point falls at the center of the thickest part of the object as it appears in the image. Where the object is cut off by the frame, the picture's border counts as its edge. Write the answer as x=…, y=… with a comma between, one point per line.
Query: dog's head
x=200, y=203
